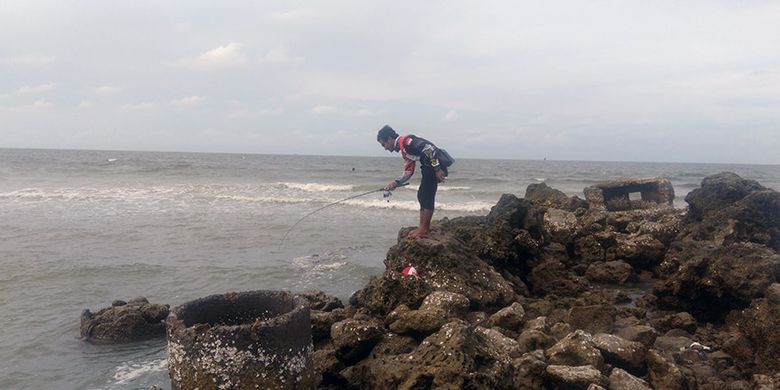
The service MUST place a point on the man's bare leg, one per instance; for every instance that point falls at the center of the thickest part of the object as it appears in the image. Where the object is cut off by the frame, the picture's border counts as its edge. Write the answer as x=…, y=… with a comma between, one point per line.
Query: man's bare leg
x=425, y=224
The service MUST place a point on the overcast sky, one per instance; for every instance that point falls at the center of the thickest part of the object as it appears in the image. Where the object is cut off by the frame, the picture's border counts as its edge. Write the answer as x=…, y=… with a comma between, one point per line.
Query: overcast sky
x=686, y=81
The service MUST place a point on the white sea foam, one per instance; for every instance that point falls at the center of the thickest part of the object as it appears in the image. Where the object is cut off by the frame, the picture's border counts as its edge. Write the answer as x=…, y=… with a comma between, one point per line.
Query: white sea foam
x=317, y=187
x=440, y=188
x=540, y=179
x=187, y=195
x=263, y=199
x=129, y=371
x=472, y=206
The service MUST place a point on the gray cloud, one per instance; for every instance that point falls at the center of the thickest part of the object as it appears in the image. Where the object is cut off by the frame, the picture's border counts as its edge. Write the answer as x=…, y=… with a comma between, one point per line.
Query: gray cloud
x=666, y=80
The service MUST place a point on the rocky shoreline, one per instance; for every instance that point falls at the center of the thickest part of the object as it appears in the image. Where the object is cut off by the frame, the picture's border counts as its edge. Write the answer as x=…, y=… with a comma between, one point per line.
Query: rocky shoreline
x=549, y=291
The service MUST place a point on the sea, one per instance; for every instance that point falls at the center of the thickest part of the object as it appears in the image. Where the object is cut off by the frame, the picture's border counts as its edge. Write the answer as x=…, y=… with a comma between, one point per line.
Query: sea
x=80, y=229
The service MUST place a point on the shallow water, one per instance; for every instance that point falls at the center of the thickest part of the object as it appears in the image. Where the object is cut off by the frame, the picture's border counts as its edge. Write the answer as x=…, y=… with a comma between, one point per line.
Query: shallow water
x=79, y=229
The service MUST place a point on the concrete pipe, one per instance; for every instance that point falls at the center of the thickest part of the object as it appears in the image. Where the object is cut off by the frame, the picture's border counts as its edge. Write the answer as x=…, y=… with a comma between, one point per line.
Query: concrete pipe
x=248, y=340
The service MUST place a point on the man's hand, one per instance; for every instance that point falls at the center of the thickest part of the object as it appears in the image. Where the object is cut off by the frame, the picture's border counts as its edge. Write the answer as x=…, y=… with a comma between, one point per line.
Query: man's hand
x=393, y=185
x=440, y=176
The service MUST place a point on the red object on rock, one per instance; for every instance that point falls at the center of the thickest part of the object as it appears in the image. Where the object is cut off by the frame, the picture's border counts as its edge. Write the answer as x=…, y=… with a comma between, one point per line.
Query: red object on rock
x=410, y=270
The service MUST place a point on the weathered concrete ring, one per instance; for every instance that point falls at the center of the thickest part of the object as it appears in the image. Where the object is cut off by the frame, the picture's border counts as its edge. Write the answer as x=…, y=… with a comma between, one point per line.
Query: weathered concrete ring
x=248, y=340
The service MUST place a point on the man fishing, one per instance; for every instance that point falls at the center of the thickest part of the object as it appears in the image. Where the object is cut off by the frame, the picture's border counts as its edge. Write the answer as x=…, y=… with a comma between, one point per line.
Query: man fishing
x=433, y=165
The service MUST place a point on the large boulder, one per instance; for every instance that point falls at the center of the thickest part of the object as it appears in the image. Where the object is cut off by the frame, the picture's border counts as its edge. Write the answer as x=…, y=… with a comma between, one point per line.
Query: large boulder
x=419, y=322
x=353, y=339
x=551, y=276
x=509, y=318
x=621, y=380
x=760, y=324
x=575, y=378
x=728, y=209
x=708, y=281
x=576, y=349
x=664, y=374
x=718, y=191
x=628, y=355
x=592, y=318
x=319, y=300
x=507, y=237
x=542, y=195
x=457, y=356
x=124, y=322
x=612, y=272
x=444, y=263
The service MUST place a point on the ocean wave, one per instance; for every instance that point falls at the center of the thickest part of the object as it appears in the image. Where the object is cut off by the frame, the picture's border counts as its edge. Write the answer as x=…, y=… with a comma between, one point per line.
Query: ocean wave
x=130, y=371
x=186, y=195
x=440, y=188
x=316, y=187
x=264, y=199
x=472, y=206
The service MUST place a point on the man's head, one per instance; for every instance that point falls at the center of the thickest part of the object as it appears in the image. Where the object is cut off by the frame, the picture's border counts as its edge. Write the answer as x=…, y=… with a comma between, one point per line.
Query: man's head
x=386, y=137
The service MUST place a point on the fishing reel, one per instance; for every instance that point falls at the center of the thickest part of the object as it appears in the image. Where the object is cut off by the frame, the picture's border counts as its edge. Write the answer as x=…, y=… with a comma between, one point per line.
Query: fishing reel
x=386, y=195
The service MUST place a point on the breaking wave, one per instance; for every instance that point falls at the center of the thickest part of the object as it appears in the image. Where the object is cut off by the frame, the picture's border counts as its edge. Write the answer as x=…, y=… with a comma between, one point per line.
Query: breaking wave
x=317, y=187
x=471, y=206
x=130, y=371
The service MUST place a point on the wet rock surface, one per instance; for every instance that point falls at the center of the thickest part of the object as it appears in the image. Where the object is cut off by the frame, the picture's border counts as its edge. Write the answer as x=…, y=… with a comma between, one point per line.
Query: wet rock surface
x=124, y=322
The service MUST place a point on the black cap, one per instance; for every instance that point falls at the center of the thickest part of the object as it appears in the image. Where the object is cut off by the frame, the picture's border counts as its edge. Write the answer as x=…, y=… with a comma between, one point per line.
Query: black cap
x=385, y=133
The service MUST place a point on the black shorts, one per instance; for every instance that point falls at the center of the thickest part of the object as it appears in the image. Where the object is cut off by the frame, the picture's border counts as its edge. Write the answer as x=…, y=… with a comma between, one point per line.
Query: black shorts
x=428, y=186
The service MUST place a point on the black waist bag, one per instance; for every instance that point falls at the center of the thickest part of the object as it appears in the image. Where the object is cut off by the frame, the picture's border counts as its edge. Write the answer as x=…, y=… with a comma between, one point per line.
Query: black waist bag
x=445, y=159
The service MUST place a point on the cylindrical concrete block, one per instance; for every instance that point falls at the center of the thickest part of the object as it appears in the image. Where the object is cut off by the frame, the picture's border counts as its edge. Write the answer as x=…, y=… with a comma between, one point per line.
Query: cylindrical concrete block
x=248, y=340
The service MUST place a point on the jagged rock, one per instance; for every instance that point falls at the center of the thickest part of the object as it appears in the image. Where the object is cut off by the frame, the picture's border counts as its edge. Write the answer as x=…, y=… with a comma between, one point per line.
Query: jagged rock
x=628, y=355
x=763, y=382
x=454, y=304
x=354, y=339
x=510, y=317
x=559, y=225
x=532, y=339
x=718, y=191
x=419, y=322
x=728, y=209
x=529, y=371
x=552, y=277
x=394, y=344
x=592, y=318
x=319, y=300
x=682, y=320
x=594, y=386
x=135, y=320
x=446, y=359
x=542, y=195
x=710, y=280
x=614, y=272
x=663, y=373
x=560, y=330
x=669, y=346
x=592, y=247
x=639, y=333
x=321, y=322
x=445, y=263
x=760, y=324
x=621, y=380
x=641, y=251
x=383, y=294
x=576, y=349
x=538, y=323
x=507, y=345
x=580, y=377
x=328, y=366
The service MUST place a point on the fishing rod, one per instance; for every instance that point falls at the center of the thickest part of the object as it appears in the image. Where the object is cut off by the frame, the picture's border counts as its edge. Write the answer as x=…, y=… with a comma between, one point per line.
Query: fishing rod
x=387, y=194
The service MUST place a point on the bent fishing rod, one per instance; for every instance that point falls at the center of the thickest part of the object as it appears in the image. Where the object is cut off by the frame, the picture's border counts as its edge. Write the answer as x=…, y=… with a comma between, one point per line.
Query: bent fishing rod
x=281, y=242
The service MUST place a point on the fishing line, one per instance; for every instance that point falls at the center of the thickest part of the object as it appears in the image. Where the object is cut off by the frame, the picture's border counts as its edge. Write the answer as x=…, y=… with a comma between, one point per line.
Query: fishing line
x=281, y=242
